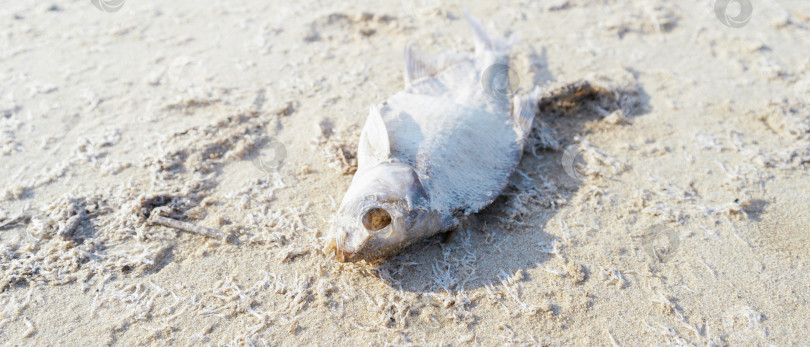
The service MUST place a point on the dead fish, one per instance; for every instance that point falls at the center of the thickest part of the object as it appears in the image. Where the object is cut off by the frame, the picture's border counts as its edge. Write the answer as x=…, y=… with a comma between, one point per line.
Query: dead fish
x=439, y=150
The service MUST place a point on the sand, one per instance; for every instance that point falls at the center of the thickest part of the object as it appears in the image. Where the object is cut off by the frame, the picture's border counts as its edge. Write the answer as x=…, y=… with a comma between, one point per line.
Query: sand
x=668, y=205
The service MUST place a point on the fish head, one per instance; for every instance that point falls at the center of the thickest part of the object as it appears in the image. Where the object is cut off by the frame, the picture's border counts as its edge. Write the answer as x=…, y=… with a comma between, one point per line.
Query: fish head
x=385, y=208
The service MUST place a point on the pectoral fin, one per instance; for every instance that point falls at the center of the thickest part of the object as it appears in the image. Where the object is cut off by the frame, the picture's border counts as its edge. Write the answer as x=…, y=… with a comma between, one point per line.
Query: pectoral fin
x=374, y=146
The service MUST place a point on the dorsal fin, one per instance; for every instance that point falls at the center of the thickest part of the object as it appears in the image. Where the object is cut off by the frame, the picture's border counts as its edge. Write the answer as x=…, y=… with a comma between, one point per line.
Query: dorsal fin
x=482, y=40
x=374, y=146
x=419, y=65
x=489, y=49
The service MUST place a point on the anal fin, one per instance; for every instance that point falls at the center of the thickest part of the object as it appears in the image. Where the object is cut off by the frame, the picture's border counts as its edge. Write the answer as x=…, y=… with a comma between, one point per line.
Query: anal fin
x=524, y=108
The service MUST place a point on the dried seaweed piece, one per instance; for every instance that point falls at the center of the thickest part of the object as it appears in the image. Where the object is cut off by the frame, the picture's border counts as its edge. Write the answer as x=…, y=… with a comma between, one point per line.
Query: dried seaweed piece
x=20, y=218
x=68, y=230
x=156, y=218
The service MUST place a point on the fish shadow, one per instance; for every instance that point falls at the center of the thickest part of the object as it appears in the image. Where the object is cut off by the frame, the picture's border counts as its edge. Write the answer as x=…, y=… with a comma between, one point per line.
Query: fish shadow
x=517, y=232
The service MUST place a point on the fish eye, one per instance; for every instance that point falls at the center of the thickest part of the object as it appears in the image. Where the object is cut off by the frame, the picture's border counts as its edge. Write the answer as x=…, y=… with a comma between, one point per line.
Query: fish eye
x=376, y=219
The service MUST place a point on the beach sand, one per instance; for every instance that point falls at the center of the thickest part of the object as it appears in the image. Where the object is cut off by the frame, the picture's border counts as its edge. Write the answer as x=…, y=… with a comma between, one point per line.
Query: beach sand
x=668, y=205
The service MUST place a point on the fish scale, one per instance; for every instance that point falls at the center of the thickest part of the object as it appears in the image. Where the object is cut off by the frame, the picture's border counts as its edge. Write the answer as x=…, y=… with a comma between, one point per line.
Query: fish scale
x=466, y=166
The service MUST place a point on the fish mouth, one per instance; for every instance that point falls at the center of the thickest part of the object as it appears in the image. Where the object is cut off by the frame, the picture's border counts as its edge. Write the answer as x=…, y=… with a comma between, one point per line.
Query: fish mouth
x=341, y=255
x=345, y=257
x=340, y=250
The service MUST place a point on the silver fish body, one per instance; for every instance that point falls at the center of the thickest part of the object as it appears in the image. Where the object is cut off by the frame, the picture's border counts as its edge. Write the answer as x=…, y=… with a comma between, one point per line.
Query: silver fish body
x=440, y=149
